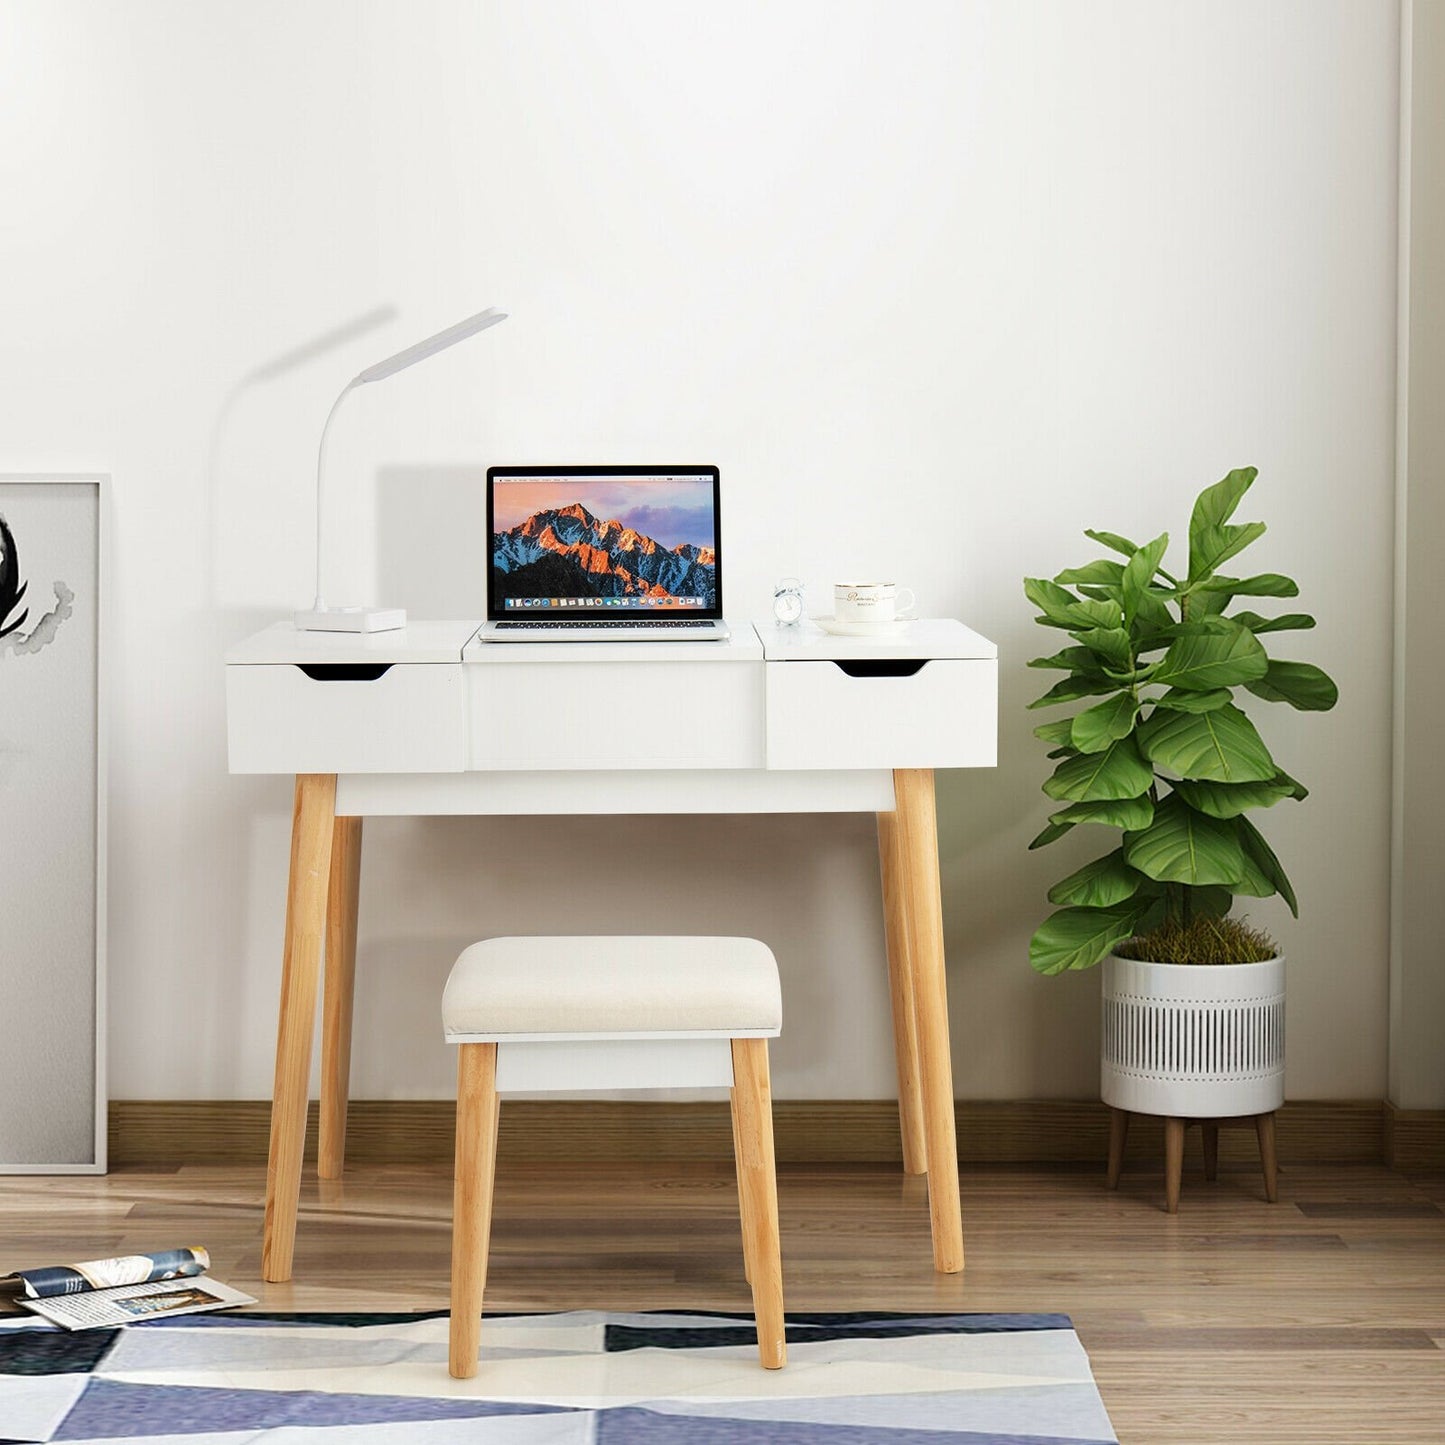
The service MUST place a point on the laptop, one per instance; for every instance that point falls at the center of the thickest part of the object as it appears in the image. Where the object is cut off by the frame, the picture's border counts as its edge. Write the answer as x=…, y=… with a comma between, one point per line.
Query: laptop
x=603, y=554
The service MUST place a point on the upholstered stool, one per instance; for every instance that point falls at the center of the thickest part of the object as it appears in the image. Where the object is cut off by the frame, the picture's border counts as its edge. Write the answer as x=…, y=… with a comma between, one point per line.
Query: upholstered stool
x=612, y=1013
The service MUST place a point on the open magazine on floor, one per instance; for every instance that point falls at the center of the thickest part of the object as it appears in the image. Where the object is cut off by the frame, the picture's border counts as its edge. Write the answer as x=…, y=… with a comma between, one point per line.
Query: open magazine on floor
x=122, y=1291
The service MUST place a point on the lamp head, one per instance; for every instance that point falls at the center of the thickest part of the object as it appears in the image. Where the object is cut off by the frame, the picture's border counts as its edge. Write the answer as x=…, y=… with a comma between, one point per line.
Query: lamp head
x=380, y=370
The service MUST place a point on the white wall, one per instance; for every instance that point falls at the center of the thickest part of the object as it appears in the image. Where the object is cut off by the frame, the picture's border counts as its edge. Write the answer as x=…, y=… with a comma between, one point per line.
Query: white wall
x=937, y=286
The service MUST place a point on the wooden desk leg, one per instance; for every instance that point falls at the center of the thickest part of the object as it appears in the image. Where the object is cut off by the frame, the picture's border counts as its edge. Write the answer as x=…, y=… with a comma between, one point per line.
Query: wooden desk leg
x=900, y=985
x=337, y=992
x=918, y=837
x=311, y=829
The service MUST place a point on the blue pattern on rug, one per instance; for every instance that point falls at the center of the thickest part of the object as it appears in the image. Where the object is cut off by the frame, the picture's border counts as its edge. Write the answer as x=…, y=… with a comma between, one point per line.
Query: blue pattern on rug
x=111, y=1410
x=666, y=1377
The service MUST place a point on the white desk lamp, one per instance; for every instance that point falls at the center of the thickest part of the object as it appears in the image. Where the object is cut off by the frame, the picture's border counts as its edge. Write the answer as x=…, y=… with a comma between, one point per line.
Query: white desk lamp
x=322, y=618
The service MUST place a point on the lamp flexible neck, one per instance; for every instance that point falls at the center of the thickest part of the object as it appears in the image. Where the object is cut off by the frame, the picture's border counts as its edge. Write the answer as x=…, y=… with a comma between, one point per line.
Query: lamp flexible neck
x=320, y=604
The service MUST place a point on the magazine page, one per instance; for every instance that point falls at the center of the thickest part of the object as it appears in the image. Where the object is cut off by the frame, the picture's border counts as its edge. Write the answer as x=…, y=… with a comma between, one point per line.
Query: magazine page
x=96, y=1274
x=133, y=1304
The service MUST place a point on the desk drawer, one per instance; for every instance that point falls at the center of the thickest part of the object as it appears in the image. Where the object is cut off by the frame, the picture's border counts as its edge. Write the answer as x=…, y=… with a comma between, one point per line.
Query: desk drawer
x=346, y=718
x=883, y=714
x=542, y=716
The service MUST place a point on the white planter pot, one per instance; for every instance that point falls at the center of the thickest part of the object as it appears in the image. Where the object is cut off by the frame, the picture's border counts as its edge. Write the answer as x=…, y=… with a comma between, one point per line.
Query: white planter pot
x=1193, y=1042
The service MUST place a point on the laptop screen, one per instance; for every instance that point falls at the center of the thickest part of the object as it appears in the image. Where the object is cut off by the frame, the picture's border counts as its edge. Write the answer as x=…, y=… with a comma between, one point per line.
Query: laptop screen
x=589, y=542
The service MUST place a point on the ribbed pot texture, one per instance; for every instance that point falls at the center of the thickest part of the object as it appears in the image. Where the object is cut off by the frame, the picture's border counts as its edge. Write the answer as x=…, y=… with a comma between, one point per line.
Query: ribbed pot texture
x=1193, y=1042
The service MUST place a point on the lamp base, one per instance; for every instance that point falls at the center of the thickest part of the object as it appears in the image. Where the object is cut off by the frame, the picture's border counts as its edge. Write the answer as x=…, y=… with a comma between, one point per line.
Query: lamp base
x=351, y=619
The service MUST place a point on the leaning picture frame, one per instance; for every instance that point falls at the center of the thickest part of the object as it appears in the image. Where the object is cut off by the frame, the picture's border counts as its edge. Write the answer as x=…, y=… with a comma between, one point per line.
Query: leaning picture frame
x=53, y=1094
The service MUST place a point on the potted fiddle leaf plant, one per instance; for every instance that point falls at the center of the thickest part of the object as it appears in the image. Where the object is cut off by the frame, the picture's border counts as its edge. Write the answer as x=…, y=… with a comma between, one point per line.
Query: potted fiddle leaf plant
x=1161, y=755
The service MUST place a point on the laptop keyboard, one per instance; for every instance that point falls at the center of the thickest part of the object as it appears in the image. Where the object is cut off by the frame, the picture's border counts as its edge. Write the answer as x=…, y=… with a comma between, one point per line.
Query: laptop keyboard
x=644, y=623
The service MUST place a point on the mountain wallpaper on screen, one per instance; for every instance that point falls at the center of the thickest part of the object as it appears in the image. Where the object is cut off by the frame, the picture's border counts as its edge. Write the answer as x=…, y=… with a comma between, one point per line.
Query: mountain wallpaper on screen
x=567, y=552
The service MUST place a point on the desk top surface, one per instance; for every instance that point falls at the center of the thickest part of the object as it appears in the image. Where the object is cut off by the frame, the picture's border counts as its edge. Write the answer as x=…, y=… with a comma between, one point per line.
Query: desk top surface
x=441, y=642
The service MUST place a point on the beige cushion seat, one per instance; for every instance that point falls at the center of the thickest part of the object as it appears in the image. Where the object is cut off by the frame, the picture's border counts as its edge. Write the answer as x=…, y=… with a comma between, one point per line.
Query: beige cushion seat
x=623, y=986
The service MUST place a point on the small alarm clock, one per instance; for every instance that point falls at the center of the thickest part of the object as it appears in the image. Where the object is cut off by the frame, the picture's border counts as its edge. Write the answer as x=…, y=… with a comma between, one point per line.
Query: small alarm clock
x=788, y=601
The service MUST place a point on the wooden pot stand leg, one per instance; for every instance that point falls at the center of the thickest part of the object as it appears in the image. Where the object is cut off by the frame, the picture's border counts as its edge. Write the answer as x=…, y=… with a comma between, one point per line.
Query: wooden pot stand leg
x=1174, y=1151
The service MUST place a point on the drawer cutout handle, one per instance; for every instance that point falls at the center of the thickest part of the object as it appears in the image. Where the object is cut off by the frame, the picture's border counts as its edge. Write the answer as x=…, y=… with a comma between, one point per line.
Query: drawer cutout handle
x=344, y=671
x=882, y=666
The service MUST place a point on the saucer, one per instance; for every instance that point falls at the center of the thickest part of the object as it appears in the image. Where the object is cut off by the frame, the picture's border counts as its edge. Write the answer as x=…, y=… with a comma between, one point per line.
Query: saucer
x=895, y=628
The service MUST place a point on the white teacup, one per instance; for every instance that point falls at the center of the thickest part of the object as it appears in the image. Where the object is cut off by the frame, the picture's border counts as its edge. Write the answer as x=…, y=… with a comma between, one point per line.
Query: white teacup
x=871, y=601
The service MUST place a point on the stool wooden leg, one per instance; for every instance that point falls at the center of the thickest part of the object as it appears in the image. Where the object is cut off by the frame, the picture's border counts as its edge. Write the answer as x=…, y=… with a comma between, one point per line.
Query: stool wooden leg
x=1118, y=1134
x=900, y=987
x=759, y=1190
x=1264, y=1128
x=742, y=1204
x=476, y=1160
x=1211, y=1150
x=338, y=990
x=312, y=816
x=1173, y=1162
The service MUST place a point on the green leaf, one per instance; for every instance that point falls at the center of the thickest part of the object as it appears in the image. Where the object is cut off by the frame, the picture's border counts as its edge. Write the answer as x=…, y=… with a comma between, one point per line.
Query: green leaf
x=1050, y=834
x=1069, y=659
x=1217, y=653
x=1109, y=643
x=1182, y=846
x=1139, y=573
x=1285, y=622
x=1115, y=813
x=1153, y=609
x=1116, y=772
x=1253, y=883
x=1080, y=937
x=1229, y=800
x=1058, y=731
x=1179, y=699
x=1103, y=571
x=1069, y=689
x=1213, y=900
x=1098, y=726
x=1266, y=584
x=1300, y=684
x=1062, y=752
x=1215, y=505
x=1100, y=884
x=1262, y=855
x=1113, y=541
x=1053, y=601
x=1219, y=746
x=1162, y=636
x=1212, y=509
x=1062, y=609
x=1204, y=604
x=1216, y=545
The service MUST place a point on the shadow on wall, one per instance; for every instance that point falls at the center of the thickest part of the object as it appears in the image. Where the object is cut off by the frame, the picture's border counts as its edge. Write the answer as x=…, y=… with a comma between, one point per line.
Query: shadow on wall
x=219, y=500
x=451, y=881
x=431, y=540
x=246, y=489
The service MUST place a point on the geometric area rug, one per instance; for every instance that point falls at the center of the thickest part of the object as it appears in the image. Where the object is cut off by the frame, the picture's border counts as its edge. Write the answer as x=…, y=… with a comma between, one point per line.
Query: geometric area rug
x=581, y=1378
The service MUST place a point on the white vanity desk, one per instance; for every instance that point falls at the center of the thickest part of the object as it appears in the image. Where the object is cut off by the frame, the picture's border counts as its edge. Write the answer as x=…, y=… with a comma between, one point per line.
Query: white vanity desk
x=427, y=720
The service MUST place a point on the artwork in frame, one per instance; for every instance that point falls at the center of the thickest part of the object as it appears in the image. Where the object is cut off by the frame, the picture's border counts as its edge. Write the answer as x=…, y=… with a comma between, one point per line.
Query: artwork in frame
x=52, y=825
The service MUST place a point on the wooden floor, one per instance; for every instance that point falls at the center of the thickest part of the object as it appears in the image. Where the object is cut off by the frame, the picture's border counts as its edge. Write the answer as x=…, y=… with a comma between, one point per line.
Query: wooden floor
x=1317, y=1320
